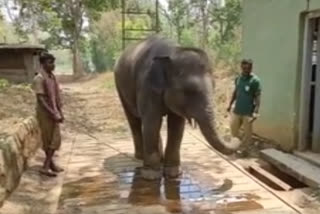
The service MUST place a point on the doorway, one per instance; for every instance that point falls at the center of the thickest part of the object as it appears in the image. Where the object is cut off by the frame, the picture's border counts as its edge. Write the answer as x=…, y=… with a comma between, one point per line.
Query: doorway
x=309, y=136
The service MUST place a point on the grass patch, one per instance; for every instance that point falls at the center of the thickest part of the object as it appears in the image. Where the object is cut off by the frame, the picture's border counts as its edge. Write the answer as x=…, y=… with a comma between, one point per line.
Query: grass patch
x=108, y=82
x=4, y=83
x=109, y=85
x=119, y=129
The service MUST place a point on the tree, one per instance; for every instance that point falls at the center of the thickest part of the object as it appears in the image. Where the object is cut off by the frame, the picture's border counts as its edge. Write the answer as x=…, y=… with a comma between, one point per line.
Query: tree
x=106, y=40
x=227, y=19
x=202, y=15
x=65, y=21
x=227, y=35
x=177, y=15
x=106, y=33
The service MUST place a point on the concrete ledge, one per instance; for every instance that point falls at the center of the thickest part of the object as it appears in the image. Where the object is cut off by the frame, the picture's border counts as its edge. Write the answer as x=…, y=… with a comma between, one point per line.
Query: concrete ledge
x=15, y=151
x=300, y=169
x=313, y=158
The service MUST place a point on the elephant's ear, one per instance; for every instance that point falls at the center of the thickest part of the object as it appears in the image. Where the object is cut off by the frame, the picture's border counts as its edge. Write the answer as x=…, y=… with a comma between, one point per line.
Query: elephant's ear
x=158, y=75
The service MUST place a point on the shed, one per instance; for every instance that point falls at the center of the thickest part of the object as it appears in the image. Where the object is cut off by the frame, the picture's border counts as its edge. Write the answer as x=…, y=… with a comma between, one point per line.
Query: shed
x=19, y=62
x=282, y=37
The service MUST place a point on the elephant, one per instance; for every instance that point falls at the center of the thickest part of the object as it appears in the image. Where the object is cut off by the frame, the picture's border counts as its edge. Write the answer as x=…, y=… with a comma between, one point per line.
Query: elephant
x=155, y=78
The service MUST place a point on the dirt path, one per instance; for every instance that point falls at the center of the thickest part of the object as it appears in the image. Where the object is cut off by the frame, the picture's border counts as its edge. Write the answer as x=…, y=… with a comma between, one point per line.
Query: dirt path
x=102, y=176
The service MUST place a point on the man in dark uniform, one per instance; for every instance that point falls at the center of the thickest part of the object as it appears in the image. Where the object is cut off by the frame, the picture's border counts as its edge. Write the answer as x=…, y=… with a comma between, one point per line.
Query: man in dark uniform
x=246, y=96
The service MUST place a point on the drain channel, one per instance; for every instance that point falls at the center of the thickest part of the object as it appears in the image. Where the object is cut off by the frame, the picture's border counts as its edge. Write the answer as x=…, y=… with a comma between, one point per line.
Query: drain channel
x=274, y=178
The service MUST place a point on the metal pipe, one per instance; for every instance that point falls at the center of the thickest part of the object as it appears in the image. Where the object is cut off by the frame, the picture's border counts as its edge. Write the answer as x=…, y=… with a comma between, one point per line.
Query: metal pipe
x=157, y=17
x=123, y=4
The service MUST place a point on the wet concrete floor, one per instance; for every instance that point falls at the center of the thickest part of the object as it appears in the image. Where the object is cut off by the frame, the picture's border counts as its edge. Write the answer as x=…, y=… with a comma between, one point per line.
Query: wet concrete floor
x=110, y=182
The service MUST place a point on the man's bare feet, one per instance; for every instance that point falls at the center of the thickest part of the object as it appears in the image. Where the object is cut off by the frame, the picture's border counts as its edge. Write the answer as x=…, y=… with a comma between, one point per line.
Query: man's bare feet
x=47, y=172
x=55, y=168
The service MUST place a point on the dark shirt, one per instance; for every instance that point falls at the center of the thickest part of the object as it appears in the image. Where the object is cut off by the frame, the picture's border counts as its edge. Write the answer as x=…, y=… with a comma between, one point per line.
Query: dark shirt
x=247, y=88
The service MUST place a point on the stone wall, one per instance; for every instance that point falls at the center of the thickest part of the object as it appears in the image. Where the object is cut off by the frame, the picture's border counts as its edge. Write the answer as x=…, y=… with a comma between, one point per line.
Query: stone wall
x=15, y=151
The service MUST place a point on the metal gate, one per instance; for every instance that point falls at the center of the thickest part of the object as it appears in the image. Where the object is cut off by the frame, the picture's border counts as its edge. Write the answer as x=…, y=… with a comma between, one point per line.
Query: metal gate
x=128, y=13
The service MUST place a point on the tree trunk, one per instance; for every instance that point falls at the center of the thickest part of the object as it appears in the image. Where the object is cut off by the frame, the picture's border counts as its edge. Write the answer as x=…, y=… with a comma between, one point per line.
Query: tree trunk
x=205, y=30
x=221, y=32
x=77, y=12
x=35, y=31
x=179, y=30
x=78, y=70
x=179, y=33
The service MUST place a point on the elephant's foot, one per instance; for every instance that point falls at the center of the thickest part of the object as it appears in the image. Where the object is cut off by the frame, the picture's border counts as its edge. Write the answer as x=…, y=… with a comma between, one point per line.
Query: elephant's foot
x=172, y=172
x=150, y=174
x=226, y=151
x=138, y=155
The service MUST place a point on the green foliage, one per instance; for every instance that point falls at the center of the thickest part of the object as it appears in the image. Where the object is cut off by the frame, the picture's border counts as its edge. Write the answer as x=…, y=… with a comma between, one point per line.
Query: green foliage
x=190, y=22
x=7, y=33
x=63, y=60
x=106, y=41
x=106, y=38
x=188, y=38
x=202, y=23
x=230, y=53
x=227, y=19
x=94, y=27
x=227, y=40
x=3, y=84
x=64, y=21
x=22, y=86
x=178, y=16
x=99, y=56
x=110, y=84
x=85, y=55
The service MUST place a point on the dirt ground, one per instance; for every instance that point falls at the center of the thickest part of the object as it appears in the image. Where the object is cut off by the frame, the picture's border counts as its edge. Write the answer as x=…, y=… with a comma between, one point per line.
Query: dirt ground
x=114, y=120
x=18, y=102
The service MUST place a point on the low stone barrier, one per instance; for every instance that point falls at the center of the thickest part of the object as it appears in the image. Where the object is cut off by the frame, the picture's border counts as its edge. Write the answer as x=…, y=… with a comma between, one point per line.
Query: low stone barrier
x=15, y=151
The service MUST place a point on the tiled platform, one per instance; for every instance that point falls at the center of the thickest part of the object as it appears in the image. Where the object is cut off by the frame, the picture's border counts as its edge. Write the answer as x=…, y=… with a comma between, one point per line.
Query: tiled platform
x=103, y=177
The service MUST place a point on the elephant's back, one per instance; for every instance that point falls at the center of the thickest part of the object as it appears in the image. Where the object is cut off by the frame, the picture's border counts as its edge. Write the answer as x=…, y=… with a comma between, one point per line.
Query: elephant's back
x=145, y=52
x=136, y=58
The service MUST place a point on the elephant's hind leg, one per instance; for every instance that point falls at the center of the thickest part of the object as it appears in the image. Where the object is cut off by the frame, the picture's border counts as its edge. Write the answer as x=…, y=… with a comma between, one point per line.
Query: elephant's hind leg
x=136, y=131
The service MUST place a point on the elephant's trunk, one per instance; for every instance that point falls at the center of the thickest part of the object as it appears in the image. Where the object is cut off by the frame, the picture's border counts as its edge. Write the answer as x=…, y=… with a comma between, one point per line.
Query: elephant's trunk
x=207, y=127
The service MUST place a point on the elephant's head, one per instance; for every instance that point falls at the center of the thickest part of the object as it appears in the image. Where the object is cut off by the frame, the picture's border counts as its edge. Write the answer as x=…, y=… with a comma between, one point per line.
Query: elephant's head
x=185, y=80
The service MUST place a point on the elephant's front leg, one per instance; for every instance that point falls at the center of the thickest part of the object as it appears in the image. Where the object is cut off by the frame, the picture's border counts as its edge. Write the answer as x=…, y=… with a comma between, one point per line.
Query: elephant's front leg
x=152, y=154
x=172, y=154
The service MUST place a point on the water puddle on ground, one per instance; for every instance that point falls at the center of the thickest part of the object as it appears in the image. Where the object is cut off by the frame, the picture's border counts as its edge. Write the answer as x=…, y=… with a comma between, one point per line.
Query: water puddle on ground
x=184, y=195
x=127, y=190
x=88, y=191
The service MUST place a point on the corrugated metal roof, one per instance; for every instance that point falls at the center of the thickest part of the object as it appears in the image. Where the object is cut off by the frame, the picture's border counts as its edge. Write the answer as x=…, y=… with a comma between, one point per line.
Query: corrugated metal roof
x=21, y=46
